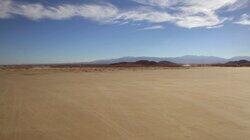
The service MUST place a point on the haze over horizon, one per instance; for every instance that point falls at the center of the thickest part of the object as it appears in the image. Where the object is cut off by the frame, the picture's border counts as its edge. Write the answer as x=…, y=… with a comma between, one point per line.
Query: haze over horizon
x=43, y=31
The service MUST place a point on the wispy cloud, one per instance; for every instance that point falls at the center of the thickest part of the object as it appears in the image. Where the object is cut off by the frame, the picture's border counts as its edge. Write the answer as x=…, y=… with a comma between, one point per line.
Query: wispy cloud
x=201, y=13
x=244, y=20
x=160, y=3
x=240, y=4
x=196, y=13
x=5, y=8
x=98, y=12
x=144, y=14
x=184, y=13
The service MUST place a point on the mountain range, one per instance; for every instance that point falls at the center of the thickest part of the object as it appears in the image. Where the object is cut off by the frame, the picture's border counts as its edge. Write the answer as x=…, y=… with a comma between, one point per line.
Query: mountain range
x=187, y=59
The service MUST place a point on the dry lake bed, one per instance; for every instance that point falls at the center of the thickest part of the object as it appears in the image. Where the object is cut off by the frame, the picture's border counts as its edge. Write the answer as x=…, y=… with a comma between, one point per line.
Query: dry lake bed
x=209, y=103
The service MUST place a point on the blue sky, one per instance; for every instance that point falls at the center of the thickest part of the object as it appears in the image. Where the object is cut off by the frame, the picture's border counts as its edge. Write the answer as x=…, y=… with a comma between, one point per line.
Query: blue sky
x=46, y=31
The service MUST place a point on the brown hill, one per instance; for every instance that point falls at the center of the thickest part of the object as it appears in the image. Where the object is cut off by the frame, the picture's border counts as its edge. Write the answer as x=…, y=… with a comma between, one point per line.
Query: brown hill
x=145, y=63
x=240, y=63
x=168, y=63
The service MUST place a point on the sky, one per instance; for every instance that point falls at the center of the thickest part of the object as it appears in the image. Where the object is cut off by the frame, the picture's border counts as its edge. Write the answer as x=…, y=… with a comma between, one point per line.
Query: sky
x=61, y=31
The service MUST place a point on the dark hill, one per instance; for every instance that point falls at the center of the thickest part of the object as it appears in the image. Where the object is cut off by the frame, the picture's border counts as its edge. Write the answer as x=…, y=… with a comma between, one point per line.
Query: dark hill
x=168, y=63
x=145, y=63
x=240, y=63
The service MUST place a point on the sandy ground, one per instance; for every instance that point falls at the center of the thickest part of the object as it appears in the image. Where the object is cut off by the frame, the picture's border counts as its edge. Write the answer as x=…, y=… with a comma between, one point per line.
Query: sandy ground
x=164, y=104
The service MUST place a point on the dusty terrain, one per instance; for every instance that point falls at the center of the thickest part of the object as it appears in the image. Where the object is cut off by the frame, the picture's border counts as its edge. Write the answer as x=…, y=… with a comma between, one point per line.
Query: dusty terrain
x=164, y=104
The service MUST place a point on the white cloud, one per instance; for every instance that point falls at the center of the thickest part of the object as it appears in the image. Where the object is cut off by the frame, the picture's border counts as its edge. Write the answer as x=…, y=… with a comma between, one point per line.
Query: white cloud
x=210, y=5
x=160, y=3
x=201, y=13
x=205, y=4
x=5, y=7
x=144, y=14
x=198, y=21
x=244, y=20
x=156, y=27
x=102, y=12
x=194, y=13
x=240, y=4
x=184, y=13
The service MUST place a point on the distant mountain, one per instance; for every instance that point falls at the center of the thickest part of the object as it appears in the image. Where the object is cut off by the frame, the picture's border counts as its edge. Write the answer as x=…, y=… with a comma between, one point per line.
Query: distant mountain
x=193, y=59
x=145, y=63
x=237, y=58
x=187, y=59
x=125, y=59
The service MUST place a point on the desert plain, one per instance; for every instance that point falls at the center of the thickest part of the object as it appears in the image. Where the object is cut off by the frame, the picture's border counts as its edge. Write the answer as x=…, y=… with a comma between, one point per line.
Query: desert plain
x=200, y=103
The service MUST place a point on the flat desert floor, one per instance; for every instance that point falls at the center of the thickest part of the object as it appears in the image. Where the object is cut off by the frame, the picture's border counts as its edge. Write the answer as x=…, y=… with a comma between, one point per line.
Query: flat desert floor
x=165, y=104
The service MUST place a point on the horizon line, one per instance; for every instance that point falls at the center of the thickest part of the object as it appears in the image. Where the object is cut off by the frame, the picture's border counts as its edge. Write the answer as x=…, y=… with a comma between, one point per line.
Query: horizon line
x=91, y=61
